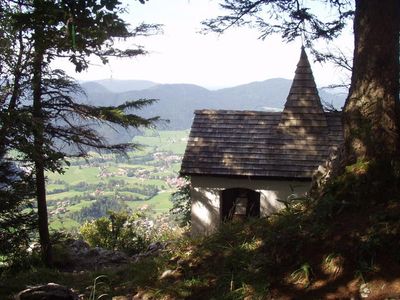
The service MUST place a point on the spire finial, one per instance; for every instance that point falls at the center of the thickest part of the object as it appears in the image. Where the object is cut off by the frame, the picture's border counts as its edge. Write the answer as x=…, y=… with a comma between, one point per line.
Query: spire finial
x=303, y=112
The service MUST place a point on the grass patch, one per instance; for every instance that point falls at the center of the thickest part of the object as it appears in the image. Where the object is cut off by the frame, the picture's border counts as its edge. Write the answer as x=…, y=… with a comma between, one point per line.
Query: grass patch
x=63, y=195
x=140, y=196
x=79, y=206
x=76, y=174
x=160, y=203
x=168, y=141
x=52, y=187
x=122, y=280
x=64, y=223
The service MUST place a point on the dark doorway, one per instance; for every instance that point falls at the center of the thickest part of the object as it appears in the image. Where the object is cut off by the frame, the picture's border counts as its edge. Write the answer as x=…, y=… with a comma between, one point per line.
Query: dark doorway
x=239, y=203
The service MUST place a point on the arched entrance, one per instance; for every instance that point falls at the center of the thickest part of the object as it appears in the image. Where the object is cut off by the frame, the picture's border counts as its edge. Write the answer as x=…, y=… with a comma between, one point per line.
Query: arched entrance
x=239, y=203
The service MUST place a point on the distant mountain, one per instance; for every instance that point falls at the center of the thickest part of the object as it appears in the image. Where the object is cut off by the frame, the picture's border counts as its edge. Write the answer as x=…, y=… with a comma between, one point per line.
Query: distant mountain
x=94, y=87
x=177, y=102
x=255, y=95
x=120, y=86
x=97, y=94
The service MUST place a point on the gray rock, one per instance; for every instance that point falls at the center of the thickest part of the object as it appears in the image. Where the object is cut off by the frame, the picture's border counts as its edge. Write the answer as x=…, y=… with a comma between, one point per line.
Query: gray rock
x=82, y=256
x=154, y=247
x=50, y=291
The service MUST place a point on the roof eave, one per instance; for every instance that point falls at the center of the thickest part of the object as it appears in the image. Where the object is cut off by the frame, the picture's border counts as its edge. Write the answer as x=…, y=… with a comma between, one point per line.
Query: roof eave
x=252, y=177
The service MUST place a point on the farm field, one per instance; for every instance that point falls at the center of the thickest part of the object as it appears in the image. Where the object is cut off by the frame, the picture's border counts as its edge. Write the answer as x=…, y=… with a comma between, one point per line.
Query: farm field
x=144, y=179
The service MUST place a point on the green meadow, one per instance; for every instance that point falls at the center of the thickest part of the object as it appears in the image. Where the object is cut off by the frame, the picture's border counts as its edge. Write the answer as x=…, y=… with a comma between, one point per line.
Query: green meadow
x=89, y=187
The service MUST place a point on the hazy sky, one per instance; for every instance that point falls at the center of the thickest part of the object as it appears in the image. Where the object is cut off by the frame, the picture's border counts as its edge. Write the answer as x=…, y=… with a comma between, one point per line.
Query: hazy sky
x=182, y=55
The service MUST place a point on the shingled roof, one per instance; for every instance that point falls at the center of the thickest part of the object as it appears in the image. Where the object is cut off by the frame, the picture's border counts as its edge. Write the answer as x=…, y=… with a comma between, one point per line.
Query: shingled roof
x=303, y=112
x=286, y=145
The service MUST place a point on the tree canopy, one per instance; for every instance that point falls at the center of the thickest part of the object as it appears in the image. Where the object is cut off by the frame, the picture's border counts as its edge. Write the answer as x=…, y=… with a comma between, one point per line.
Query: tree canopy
x=290, y=18
x=370, y=115
x=39, y=102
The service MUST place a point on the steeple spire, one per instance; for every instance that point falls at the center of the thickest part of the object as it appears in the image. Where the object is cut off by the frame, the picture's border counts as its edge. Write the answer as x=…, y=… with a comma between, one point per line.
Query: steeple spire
x=303, y=112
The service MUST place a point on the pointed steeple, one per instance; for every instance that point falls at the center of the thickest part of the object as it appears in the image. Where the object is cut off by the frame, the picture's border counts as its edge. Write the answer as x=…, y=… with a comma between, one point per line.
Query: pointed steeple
x=303, y=112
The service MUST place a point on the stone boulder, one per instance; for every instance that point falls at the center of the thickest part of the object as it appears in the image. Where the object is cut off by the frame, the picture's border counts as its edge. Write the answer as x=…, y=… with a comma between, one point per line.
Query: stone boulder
x=152, y=250
x=50, y=291
x=81, y=256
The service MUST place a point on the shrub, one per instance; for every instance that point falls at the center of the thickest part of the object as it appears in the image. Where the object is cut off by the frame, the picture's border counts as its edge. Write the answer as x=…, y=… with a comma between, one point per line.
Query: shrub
x=181, y=204
x=115, y=232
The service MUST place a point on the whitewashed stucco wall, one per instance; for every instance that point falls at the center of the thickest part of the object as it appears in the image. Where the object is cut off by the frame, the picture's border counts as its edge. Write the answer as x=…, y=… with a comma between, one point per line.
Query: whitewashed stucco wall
x=206, y=193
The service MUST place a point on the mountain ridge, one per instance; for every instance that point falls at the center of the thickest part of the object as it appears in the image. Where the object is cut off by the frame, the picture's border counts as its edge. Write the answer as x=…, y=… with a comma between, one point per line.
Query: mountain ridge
x=177, y=101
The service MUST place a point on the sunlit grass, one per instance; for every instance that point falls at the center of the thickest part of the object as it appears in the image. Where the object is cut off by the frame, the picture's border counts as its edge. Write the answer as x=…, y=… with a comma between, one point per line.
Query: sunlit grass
x=159, y=203
x=63, y=195
x=76, y=174
x=79, y=206
x=63, y=223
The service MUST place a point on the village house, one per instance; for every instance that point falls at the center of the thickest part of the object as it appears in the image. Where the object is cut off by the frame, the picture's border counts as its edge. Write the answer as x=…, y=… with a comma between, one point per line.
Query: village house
x=241, y=163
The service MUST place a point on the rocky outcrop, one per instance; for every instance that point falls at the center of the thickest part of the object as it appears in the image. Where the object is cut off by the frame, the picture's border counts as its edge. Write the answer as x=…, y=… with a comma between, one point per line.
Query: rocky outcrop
x=82, y=256
x=77, y=255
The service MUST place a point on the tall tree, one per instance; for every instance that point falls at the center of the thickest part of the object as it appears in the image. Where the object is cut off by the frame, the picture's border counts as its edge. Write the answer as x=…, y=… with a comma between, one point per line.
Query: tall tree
x=75, y=30
x=16, y=183
x=370, y=117
x=371, y=109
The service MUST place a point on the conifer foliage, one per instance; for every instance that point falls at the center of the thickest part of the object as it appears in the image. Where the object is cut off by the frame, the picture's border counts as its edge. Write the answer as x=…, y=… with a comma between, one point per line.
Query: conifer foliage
x=38, y=103
x=16, y=221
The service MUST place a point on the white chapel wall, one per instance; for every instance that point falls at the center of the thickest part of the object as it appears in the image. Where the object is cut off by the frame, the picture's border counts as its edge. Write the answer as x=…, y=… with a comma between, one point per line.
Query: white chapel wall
x=206, y=192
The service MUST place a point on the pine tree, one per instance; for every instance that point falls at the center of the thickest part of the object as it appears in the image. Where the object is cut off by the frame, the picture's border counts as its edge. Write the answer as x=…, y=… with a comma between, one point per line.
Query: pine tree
x=76, y=30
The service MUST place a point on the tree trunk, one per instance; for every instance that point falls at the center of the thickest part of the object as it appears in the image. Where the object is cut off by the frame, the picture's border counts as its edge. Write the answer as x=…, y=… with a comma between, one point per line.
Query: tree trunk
x=38, y=132
x=370, y=117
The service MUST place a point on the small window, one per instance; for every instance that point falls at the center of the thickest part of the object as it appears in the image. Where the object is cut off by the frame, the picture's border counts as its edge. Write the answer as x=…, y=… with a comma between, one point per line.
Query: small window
x=239, y=203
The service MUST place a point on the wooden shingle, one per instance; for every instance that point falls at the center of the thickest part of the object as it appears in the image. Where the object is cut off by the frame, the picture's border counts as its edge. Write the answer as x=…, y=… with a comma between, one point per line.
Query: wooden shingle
x=289, y=144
